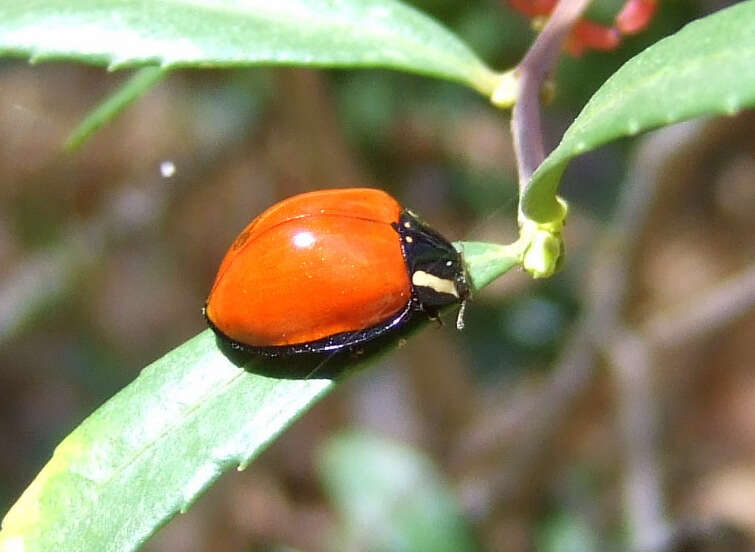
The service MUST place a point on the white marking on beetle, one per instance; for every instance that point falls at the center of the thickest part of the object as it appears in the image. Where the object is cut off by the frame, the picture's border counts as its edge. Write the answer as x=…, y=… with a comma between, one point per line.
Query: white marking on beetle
x=449, y=263
x=441, y=285
x=408, y=239
x=304, y=240
x=407, y=224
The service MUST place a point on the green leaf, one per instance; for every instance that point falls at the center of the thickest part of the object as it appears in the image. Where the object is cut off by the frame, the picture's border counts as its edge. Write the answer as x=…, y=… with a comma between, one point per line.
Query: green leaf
x=485, y=262
x=390, y=497
x=221, y=33
x=139, y=83
x=705, y=68
x=149, y=451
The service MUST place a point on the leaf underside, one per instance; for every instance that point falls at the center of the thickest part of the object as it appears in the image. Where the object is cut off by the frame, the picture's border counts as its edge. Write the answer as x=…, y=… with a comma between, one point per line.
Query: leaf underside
x=705, y=68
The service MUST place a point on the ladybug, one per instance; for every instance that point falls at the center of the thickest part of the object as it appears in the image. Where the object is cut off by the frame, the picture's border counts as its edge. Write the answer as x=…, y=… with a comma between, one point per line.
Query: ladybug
x=330, y=272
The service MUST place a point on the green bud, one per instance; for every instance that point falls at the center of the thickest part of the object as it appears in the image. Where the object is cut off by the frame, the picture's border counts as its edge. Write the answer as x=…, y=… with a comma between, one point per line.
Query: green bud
x=544, y=250
x=543, y=256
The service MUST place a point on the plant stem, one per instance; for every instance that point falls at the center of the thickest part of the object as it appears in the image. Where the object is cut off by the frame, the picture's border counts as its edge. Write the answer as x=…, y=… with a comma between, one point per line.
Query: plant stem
x=532, y=71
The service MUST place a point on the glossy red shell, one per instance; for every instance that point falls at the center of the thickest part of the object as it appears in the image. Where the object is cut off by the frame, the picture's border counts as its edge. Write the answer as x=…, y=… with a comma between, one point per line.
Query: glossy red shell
x=311, y=266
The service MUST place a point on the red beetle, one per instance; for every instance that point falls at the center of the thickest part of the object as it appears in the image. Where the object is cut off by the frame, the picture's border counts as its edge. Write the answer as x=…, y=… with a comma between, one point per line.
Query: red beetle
x=331, y=271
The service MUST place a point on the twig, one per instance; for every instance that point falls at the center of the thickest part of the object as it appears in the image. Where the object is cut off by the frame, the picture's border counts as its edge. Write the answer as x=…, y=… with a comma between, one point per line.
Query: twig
x=629, y=356
x=631, y=362
x=726, y=302
x=628, y=352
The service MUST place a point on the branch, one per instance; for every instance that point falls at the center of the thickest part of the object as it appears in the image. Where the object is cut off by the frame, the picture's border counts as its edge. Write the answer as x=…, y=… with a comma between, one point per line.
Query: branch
x=631, y=363
x=715, y=310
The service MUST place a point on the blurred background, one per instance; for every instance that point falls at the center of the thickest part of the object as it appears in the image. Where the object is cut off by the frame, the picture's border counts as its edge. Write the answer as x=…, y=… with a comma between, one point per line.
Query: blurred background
x=611, y=407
